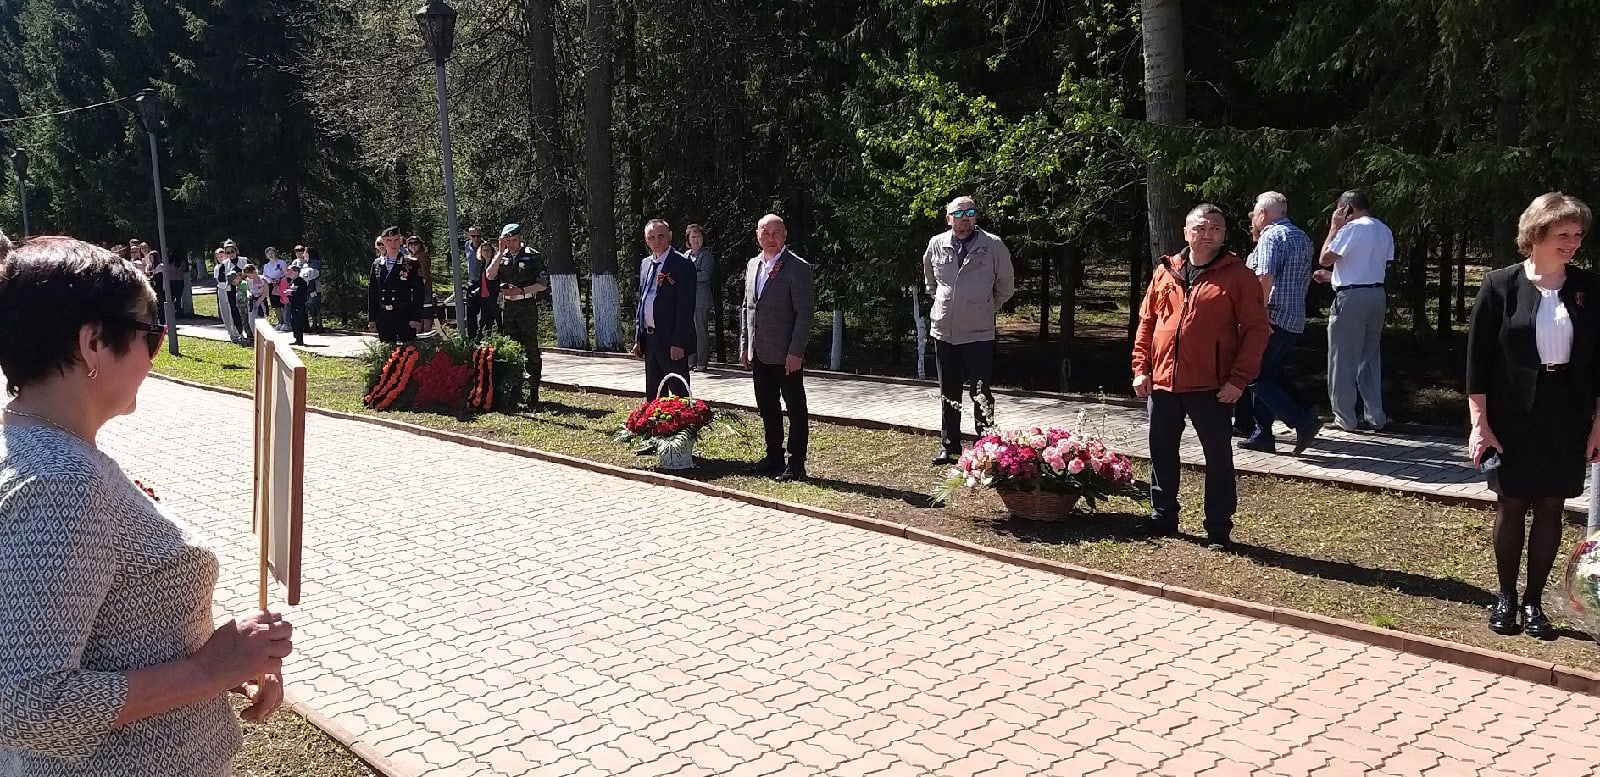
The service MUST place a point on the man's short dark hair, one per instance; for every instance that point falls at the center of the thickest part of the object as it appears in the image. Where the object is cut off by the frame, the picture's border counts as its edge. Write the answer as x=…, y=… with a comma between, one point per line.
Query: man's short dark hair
x=1357, y=199
x=50, y=287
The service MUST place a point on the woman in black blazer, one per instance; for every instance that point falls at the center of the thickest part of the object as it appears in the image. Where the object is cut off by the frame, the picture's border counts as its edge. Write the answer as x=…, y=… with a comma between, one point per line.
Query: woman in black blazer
x=1533, y=376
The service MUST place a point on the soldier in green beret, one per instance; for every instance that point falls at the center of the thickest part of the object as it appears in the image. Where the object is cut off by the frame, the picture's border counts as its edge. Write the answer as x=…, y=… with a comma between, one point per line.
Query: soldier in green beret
x=521, y=276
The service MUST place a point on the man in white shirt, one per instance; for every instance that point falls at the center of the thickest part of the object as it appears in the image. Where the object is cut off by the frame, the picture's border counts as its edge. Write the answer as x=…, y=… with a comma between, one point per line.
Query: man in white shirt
x=1354, y=258
x=663, y=330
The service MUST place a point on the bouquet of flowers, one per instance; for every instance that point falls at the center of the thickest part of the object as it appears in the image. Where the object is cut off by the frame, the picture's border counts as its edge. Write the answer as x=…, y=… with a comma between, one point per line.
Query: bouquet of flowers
x=670, y=424
x=1051, y=459
x=1580, y=586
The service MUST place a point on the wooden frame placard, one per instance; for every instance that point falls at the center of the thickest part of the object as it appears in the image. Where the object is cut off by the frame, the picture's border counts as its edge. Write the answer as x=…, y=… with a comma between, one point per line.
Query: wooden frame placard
x=280, y=452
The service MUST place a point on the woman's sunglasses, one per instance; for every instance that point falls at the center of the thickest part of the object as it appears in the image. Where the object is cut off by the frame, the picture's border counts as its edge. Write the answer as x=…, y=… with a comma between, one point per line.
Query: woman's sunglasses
x=154, y=334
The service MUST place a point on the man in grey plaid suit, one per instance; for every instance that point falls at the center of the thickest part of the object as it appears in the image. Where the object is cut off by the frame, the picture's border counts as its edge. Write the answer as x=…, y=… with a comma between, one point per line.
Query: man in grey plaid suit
x=775, y=324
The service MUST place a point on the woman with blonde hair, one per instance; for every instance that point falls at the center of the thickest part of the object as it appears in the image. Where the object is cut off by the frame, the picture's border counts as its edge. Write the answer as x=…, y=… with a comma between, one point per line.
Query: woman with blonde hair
x=1533, y=378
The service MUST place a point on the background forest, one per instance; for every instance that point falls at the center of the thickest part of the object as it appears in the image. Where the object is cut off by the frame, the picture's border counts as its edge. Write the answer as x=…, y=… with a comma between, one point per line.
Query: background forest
x=1084, y=128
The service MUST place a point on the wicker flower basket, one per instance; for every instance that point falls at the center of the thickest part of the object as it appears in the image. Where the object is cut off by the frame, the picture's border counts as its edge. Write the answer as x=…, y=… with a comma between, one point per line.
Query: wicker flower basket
x=1039, y=505
x=683, y=457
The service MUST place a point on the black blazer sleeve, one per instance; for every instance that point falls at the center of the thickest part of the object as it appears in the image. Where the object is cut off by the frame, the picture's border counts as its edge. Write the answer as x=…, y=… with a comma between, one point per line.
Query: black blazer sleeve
x=1483, y=333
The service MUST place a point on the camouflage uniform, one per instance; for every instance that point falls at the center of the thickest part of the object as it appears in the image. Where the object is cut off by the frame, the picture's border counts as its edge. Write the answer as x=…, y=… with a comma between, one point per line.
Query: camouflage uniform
x=520, y=319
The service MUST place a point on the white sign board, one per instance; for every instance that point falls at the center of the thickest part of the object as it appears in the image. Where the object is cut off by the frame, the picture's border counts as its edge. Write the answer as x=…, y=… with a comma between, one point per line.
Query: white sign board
x=280, y=453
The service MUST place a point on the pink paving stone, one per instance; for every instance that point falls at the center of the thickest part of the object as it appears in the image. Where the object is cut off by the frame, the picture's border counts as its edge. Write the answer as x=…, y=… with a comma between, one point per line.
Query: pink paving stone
x=575, y=605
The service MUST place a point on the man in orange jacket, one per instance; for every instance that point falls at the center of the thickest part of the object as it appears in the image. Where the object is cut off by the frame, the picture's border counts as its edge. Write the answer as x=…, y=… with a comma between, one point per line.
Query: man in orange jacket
x=1202, y=330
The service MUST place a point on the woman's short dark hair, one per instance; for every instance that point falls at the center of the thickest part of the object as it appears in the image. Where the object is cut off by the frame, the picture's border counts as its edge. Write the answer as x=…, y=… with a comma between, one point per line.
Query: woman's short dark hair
x=50, y=287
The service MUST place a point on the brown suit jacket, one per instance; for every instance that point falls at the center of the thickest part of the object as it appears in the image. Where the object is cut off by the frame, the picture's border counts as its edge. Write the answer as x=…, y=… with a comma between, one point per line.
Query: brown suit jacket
x=777, y=323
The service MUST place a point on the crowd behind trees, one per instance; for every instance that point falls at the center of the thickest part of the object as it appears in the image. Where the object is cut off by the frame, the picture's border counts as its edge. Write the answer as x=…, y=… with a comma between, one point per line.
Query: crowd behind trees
x=856, y=121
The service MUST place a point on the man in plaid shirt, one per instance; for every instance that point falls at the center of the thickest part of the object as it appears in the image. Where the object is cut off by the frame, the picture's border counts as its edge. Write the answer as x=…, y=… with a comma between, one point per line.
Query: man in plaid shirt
x=1282, y=261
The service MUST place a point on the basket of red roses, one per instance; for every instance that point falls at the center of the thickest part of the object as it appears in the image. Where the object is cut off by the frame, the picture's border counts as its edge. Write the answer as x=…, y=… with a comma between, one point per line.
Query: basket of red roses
x=670, y=424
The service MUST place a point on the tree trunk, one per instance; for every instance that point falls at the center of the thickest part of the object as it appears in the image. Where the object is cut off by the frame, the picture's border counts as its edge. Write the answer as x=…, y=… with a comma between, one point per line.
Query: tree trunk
x=1507, y=132
x=1461, y=278
x=555, y=215
x=1447, y=243
x=1044, y=295
x=1068, y=272
x=836, y=352
x=1164, y=104
x=1417, y=282
x=921, y=327
x=599, y=43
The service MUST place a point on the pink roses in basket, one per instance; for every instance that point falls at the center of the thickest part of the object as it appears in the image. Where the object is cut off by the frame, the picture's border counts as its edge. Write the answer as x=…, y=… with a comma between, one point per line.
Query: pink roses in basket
x=1044, y=459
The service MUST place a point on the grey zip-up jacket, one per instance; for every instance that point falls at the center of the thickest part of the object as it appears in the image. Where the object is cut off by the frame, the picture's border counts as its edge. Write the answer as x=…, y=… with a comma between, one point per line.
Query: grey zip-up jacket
x=966, y=296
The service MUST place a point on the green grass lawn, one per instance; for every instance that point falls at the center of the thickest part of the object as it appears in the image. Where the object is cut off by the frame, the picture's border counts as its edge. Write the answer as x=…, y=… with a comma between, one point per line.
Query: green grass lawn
x=1385, y=559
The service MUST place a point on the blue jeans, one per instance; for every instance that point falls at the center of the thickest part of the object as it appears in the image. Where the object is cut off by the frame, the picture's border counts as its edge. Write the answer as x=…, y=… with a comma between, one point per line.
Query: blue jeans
x=1274, y=397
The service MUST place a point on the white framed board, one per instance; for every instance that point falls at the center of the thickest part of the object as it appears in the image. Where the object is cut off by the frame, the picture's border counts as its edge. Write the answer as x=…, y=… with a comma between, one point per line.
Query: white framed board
x=277, y=516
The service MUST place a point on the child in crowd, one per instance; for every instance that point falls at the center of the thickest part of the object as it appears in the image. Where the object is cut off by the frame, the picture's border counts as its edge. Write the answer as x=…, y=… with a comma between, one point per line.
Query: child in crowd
x=256, y=289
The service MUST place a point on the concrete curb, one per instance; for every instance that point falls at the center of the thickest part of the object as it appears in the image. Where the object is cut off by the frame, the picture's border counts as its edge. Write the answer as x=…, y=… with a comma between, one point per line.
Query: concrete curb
x=359, y=748
x=1492, y=661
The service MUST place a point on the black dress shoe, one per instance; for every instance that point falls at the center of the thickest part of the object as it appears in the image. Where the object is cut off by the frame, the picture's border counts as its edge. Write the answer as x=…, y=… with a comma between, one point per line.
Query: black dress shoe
x=1155, y=528
x=1219, y=543
x=1535, y=623
x=764, y=468
x=946, y=458
x=792, y=473
x=1503, y=616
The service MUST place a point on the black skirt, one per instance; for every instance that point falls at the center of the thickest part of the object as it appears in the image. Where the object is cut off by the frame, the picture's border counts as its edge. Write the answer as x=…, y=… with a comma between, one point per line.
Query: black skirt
x=1543, y=452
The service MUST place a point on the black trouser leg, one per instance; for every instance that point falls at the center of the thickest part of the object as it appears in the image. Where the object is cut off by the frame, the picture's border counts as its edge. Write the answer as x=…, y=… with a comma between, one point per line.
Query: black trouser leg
x=952, y=377
x=978, y=361
x=794, y=400
x=297, y=322
x=1212, y=424
x=474, y=304
x=767, y=381
x=1166, y=431
x=658, y=364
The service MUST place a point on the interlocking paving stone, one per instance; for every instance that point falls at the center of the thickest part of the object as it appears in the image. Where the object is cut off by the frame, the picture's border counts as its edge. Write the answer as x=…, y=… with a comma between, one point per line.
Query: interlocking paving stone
x=469, y=612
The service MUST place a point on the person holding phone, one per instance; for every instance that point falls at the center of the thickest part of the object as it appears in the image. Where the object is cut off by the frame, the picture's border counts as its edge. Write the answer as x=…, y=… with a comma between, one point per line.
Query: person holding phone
x=1354, y=258
x=1533, y=377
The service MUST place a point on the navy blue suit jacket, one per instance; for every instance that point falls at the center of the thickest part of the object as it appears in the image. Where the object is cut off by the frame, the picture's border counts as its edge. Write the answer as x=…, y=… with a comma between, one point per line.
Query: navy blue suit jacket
x=673, y=305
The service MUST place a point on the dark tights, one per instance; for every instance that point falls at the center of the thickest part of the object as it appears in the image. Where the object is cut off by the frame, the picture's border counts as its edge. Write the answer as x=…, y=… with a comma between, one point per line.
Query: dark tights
x=1543, y=542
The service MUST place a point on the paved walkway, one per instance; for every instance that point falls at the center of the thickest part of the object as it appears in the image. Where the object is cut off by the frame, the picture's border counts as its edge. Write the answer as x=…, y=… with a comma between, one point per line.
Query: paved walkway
x=1414, y=463
x=475, y=613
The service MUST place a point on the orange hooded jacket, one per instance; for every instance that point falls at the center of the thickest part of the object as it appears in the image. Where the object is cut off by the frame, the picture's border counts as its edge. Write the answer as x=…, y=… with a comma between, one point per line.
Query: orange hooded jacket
x=1199, y=338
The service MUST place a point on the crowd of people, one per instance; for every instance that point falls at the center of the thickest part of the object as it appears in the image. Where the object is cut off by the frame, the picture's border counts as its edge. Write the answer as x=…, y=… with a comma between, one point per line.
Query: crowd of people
x=285, y=292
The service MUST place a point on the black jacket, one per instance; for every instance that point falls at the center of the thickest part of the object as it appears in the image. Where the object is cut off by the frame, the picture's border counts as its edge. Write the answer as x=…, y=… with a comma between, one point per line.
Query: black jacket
x=1502, y=354
x=673, y=310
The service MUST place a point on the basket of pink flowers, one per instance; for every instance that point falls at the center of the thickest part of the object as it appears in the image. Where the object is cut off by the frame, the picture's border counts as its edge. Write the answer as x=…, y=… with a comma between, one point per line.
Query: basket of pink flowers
x=1043, y=473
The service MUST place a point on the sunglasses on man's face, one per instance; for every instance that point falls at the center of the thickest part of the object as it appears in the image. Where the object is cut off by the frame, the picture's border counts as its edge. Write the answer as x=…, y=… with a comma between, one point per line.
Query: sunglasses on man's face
x=967, y=213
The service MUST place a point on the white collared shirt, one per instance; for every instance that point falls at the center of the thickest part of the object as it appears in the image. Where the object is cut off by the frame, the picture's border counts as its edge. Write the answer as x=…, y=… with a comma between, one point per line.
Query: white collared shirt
x=1552, y=328
x=1365, y=247
x=767, y=263
x=649, y=268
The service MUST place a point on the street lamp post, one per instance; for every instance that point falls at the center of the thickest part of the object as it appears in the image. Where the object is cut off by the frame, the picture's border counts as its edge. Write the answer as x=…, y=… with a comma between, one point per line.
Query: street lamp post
x=149, y=104
x=19, y=163
x=437, y=22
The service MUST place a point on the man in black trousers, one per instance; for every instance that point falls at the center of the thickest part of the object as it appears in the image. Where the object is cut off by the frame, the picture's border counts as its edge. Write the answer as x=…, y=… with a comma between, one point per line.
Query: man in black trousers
x=663, y=326
x=779, y=300
x=395, y=296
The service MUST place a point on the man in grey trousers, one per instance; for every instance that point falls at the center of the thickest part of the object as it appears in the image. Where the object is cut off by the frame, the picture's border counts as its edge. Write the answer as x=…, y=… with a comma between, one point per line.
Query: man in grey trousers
x=1354, y=258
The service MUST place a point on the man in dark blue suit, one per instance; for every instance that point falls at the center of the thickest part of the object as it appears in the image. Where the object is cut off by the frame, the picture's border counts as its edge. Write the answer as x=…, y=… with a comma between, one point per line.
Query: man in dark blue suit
x=663, y=329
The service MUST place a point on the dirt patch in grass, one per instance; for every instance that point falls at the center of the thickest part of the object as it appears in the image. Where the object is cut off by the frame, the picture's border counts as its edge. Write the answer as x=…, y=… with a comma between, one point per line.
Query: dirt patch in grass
x=288, y=746
x=1385, y=559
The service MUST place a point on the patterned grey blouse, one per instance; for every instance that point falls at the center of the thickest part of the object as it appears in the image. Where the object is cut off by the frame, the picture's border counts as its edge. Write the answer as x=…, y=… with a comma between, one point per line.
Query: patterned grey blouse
x=95, y=581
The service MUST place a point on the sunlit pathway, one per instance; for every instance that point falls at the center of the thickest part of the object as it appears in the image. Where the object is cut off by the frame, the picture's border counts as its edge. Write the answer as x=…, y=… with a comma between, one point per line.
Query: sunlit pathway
x=470, y=612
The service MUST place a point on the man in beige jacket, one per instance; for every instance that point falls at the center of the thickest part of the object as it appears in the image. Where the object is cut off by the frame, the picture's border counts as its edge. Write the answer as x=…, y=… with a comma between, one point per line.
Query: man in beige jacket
x=968, y=273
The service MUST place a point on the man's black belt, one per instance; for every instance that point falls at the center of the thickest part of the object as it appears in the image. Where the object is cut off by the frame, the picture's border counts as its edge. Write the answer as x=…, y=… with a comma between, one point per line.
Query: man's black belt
x=1553, y=367
x=649, y=330
x=1357, y=286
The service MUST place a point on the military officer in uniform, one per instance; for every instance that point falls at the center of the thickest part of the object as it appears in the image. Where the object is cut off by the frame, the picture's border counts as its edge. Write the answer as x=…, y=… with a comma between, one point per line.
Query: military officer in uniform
x=520, y=275
x=396, y=296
